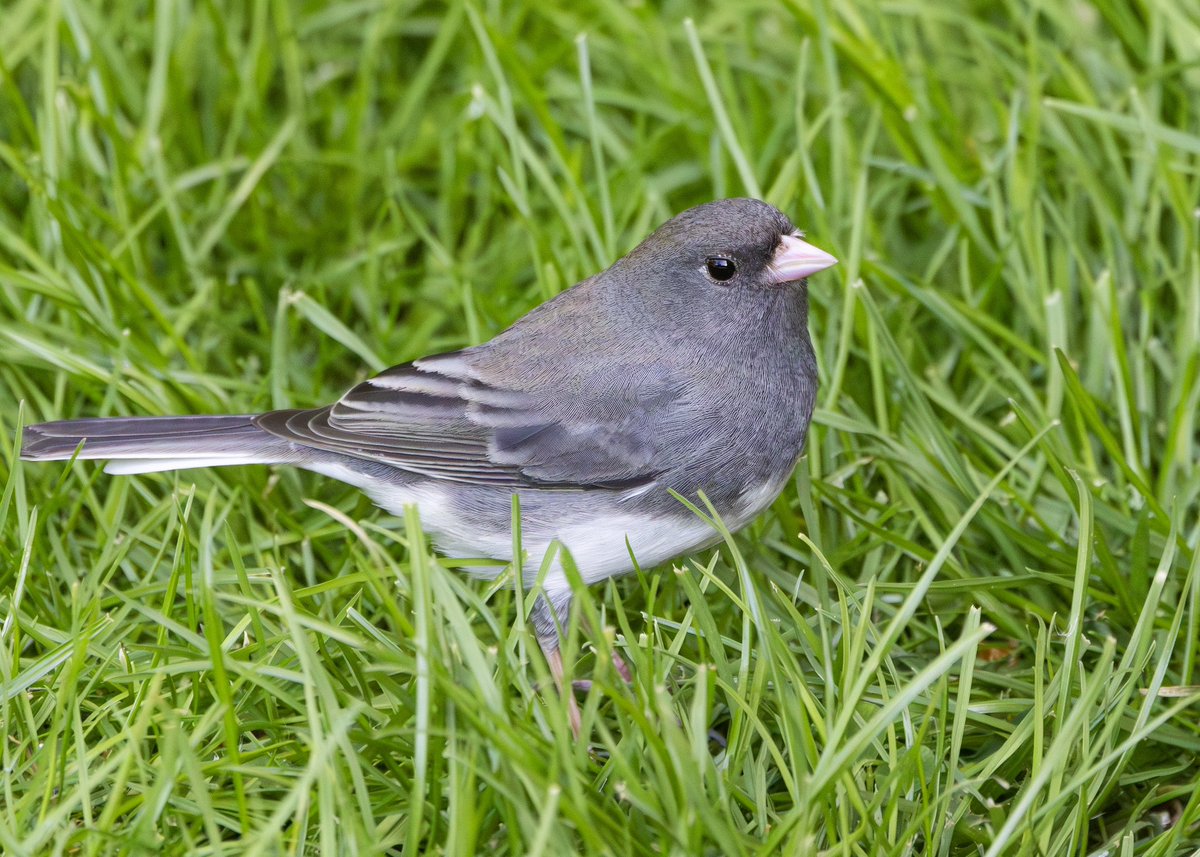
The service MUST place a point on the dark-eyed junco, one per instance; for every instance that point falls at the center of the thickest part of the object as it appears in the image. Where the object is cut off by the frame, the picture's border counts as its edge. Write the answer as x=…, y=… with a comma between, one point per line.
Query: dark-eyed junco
x=685, y=366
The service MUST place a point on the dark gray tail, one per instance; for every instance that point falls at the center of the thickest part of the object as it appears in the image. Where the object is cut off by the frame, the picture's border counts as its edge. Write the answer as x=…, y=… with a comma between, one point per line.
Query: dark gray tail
x=147, y=444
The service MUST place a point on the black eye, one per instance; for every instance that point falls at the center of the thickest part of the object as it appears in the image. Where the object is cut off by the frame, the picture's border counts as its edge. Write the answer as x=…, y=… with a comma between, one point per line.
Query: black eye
x=720, y=268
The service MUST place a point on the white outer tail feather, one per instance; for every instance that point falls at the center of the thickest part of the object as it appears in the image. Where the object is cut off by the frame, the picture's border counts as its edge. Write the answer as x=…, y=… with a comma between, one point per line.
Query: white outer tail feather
x=132, y=466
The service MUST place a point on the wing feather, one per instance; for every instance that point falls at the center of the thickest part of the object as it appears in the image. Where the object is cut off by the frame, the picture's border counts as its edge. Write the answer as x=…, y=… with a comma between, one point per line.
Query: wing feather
x=438, y=418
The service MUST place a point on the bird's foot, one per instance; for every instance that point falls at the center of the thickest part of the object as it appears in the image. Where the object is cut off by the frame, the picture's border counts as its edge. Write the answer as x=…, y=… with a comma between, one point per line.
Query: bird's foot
x=584, y=685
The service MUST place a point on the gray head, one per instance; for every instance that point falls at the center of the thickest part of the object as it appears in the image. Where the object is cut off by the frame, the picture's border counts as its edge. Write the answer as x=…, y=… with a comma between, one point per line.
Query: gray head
x=730, y=268
x=730, y=272
x=728, y=245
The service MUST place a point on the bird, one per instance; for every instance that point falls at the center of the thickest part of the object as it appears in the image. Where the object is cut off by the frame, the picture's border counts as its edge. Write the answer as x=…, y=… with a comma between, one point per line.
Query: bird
x=685, y=368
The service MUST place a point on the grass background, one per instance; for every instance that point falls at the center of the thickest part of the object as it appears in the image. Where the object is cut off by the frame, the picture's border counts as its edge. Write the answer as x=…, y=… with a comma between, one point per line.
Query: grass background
x=969, y=626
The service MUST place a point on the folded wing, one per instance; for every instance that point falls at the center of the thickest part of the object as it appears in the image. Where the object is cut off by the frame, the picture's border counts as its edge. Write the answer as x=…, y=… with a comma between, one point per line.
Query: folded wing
x=439, y=417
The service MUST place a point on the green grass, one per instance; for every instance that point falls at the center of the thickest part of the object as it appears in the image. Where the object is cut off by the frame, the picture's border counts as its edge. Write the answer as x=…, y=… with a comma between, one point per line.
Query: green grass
x=971, y=625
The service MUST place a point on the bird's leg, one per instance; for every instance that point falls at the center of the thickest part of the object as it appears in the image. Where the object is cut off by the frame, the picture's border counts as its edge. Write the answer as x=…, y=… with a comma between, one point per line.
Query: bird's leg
x=622, y=668
x=549, y=617
x=618, y=662
x=554, y=659
x=550, y=614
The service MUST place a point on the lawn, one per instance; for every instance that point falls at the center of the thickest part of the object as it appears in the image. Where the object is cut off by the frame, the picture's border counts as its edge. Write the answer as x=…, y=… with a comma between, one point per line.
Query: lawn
x=969, y=626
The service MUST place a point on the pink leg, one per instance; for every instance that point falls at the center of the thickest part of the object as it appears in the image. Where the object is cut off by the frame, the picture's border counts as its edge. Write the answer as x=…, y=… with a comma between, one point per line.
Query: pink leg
x=554, y=659
x=585, y=684
x=622, y=667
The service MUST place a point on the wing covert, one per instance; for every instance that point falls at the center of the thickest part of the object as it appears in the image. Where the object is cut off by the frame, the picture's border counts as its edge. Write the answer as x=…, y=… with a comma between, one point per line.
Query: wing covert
x=438, y=418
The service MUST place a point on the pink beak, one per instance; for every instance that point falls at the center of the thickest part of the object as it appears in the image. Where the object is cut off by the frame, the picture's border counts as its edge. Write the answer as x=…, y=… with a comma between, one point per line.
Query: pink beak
x=795, y=260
